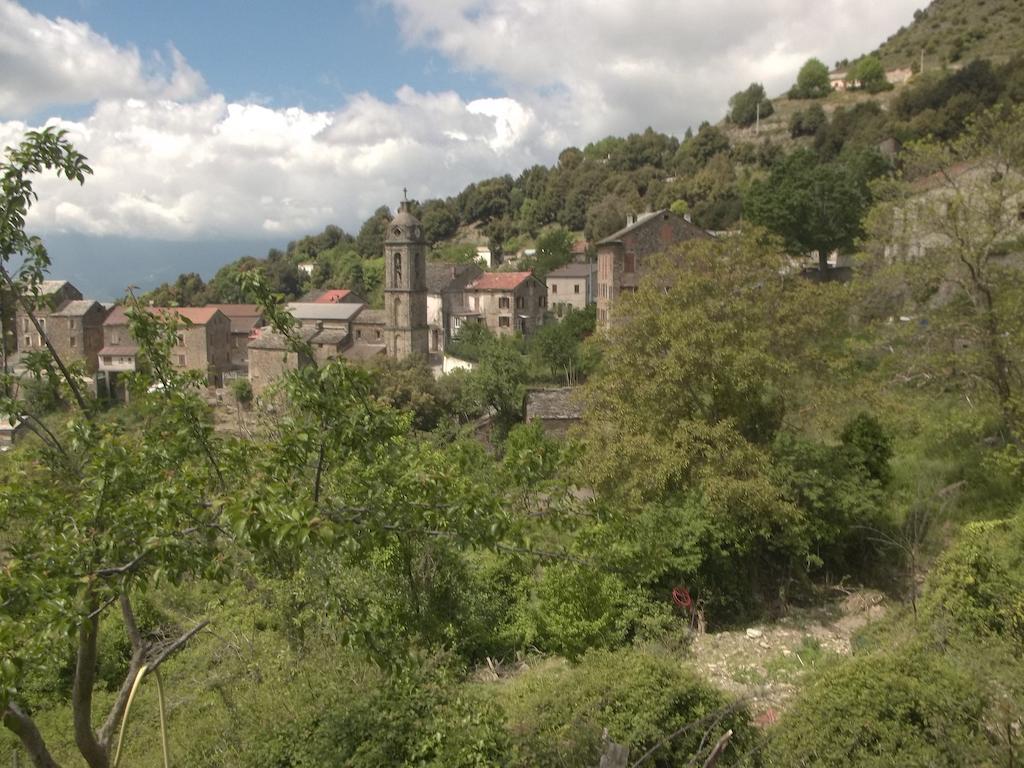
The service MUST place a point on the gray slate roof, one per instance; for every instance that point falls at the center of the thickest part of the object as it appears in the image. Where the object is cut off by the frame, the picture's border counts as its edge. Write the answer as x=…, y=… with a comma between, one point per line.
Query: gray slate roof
x=371, y=317
x=310, y=311
x=550, y=404
x=77, y=308
x=642, y=219
x=447, y=276
x=575, y=269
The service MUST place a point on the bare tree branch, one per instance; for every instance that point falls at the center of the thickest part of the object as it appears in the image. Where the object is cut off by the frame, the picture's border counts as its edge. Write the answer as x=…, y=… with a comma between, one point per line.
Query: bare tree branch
x=22, y=726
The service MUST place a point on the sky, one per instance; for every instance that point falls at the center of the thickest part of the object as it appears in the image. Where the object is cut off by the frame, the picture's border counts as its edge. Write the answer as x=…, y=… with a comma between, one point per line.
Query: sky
x=264, y=120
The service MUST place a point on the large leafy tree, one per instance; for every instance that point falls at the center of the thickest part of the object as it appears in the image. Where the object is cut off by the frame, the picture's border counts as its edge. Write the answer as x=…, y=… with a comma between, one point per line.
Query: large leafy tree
x=812, y=206
x=811, y=82
x=948, y=237
x=747, y=105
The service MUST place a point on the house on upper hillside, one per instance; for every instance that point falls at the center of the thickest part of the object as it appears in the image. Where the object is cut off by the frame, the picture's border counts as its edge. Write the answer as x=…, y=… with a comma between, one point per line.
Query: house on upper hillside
x=73, y=325
x=621, y=256
x=446, y=285
x=203, y=343
x=572, y=287
x=245, y=319
x=837, y=80
x=506, y=302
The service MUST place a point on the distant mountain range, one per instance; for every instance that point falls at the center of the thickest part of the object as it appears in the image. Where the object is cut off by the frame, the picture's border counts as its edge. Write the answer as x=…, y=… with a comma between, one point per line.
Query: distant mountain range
x=103, y=267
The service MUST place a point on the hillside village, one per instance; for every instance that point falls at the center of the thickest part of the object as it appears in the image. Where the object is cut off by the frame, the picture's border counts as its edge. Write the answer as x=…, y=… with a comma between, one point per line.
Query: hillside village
x=698, y=450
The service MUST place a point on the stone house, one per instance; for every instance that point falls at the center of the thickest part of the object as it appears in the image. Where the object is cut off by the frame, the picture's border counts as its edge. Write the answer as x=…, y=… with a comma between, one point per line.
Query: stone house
x=203, y=342
x=270, y=358
x=73, y=325
x=11, y=430
x=557, y=410
x=317, y=316
x=446, y=285
x=573, y=286
x=367, y=328
x=506, y=302
x=621, y=256
x=244, y=319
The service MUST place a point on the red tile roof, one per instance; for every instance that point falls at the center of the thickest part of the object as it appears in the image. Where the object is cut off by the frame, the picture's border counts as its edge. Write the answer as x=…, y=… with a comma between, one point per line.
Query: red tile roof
x=332, y=296
x=499, y=281
x=238, y=310
x=197, y=315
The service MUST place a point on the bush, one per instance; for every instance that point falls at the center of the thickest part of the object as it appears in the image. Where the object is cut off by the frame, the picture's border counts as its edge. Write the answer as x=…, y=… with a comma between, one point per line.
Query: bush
x=573, y=609
x=977, y=586
x=906, y=708
x=556, y=717
x=242, y=390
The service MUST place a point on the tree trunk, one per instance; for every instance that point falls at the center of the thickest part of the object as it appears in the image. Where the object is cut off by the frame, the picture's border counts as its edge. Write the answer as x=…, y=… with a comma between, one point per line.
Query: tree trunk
x=22, y=726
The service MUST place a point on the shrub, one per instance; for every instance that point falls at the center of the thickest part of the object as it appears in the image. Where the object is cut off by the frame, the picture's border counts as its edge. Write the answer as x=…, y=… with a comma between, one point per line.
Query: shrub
x=907, y=708
x=242, y=390
x=556, y=717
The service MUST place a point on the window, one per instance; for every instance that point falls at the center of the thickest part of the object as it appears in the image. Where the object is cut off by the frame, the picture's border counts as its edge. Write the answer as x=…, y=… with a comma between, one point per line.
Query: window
x=359, y=334
x=72, y=342
x=181, y=339
x=630, y=263
x=576, y=288
x=24, y=324
x=115, y=338
x=541, y=301
x=554, y=287
x=503, y=302
x=378, y=335
x=107, y=359
x=397, y=279
x=520, y=302
x=28, y=341
x=181, y=359
x=602, y=316
x=71, y=323
x=503, y=322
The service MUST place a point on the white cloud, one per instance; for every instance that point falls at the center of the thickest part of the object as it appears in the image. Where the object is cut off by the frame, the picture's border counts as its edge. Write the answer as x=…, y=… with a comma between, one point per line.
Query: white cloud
x=49, y=62
x=593, y=67
x=173, y=161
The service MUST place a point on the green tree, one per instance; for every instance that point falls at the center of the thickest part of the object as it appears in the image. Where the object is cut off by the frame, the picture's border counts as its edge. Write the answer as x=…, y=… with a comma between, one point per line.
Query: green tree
x=554, y=248
x=813, y=207
x=946, y=237
x=811, y=82
x=370, y=240
x=869, y=73
x=745, y=106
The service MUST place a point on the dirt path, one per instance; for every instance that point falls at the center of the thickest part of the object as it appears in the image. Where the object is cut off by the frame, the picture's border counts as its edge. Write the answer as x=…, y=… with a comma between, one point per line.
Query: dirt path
x=766, y=662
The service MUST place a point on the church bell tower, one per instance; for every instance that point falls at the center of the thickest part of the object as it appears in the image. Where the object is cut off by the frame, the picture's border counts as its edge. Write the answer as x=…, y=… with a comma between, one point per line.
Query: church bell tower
x=405, y=288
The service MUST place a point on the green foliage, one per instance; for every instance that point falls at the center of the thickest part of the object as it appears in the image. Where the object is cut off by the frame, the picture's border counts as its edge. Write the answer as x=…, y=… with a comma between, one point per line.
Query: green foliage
x=561, y=346
x=370, y=240
x=556, y=716
x=745, y=106
x=554, y=248
x=242, y=390
x=908, y=707
x=812, y=81
x=807, y=122
x=813, y=207
x=454, y=253
x=977, y=586
x=869, y=74
x=572, y=608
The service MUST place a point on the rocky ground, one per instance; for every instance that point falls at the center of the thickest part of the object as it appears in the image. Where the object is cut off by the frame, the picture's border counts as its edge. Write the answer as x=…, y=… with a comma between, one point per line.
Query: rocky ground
x=764, y=663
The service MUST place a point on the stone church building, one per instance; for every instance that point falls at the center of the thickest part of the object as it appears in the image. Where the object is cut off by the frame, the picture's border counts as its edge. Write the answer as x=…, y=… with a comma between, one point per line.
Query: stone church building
x=406, y=331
